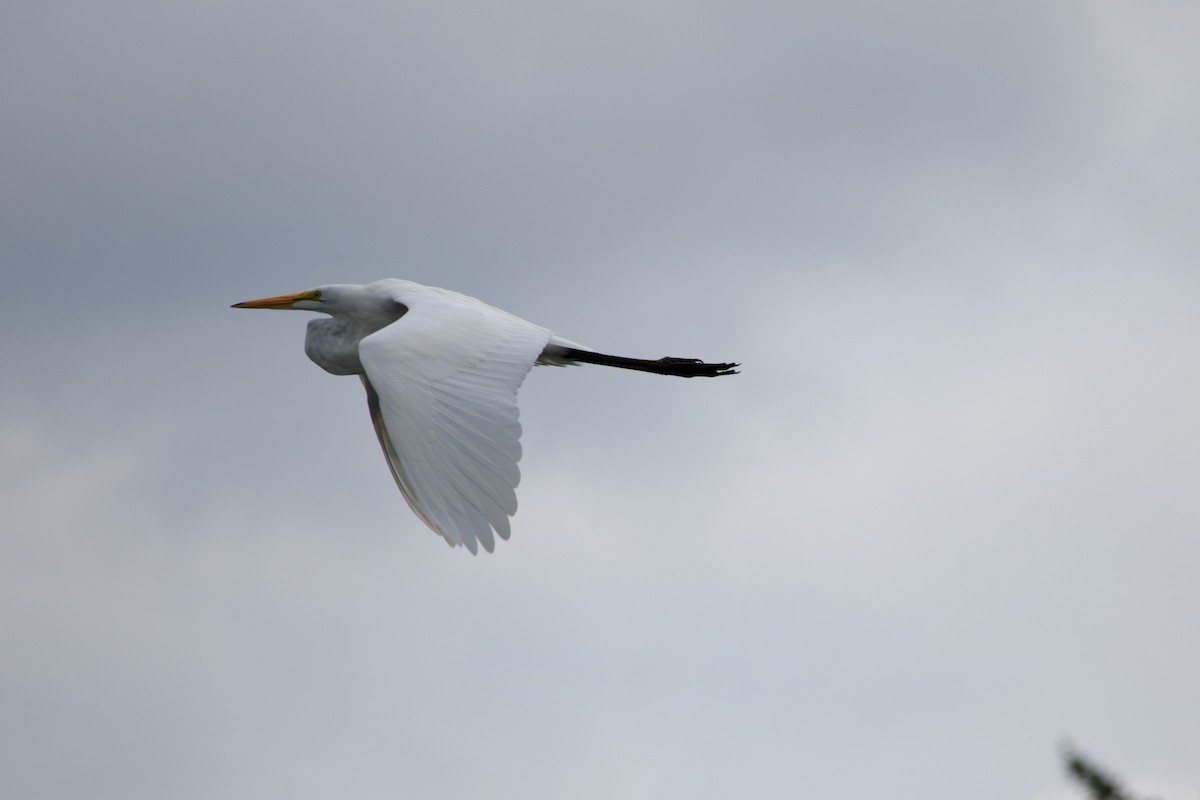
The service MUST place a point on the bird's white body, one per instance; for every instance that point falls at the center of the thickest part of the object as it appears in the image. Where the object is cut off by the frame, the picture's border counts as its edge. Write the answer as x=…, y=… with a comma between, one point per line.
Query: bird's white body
x=441, y=371
x=333, y=342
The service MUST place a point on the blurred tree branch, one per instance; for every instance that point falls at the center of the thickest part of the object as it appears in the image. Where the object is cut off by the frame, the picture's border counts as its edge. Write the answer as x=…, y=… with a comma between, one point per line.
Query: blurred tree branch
x=1100, y=783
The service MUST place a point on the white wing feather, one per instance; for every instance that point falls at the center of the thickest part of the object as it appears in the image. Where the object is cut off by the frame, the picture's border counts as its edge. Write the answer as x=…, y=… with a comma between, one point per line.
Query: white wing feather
x=445, y=376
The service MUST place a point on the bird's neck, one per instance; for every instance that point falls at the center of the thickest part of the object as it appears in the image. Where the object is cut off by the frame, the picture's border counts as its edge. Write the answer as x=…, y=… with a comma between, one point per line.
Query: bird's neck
x=332, y=345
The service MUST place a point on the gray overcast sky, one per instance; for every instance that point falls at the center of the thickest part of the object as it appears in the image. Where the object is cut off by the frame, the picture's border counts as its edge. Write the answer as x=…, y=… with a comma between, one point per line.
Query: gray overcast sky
x=946, y=516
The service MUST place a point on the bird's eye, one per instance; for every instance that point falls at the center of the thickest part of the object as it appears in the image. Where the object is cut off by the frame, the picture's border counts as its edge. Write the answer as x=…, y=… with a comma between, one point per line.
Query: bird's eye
x=316, y=295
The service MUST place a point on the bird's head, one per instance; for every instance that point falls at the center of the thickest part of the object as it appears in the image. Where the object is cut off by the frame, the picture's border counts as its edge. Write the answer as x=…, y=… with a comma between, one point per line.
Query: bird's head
x=312, y=300
x=336, y=299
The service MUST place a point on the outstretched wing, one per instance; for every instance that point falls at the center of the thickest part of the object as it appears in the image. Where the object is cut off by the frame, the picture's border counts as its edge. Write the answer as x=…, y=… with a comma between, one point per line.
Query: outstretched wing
x=442, y=388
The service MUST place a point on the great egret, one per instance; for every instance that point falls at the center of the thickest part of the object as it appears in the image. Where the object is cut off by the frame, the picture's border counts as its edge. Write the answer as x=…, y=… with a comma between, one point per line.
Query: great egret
x=441, y=372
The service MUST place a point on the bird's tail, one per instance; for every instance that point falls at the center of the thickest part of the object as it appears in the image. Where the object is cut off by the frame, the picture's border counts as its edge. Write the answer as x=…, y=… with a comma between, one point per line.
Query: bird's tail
x=683, y=367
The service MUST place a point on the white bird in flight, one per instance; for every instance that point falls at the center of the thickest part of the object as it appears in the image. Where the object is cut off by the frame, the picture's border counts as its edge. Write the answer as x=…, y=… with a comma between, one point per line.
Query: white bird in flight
x=441, y=371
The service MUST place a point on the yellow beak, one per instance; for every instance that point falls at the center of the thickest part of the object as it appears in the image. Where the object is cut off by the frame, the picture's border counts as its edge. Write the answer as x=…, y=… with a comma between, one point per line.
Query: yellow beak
x=282, y=301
